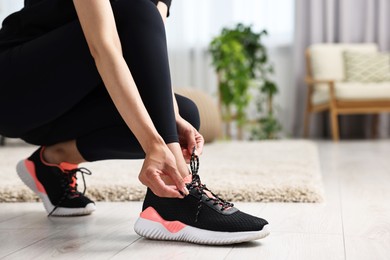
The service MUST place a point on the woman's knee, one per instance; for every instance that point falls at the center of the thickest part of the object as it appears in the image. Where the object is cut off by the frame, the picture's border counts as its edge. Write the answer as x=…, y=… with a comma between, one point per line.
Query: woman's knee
x=188, y=110
x=141, y=30
x=136, y=14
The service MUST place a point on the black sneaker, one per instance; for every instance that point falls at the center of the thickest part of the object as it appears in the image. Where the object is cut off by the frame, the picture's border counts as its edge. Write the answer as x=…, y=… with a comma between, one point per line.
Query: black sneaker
x=201, y=217
x=56, y=185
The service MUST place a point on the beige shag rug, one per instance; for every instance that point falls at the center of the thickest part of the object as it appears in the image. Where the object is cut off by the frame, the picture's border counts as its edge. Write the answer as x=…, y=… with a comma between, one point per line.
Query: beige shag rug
x=263, y=171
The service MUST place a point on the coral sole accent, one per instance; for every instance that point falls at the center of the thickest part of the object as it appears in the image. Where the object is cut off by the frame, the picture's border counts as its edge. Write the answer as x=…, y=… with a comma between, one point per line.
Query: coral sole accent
x=31, y=170
x=172, y=226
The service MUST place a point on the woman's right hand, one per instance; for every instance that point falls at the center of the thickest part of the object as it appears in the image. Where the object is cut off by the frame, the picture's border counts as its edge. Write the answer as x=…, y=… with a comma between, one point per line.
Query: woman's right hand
x=160, y=165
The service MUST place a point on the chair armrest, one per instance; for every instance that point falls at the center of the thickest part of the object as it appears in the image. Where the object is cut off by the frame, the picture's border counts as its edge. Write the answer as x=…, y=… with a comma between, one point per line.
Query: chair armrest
x=311, y=81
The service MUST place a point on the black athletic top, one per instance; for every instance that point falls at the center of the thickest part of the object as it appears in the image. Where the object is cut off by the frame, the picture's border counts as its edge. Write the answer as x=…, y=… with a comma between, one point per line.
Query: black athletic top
x=38, y=17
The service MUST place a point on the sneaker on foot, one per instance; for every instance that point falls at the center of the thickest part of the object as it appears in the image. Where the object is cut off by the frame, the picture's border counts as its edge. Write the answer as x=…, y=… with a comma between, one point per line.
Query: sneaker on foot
x=201, y=217
x=56, y=185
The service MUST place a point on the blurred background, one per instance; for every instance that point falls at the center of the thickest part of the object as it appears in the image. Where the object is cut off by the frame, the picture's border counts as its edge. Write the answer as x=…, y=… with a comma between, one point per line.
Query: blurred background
x=292, y=26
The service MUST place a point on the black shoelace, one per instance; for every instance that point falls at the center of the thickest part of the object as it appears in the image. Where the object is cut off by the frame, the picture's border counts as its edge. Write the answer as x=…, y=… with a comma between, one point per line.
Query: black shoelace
x=70, y=191
x=201, y=188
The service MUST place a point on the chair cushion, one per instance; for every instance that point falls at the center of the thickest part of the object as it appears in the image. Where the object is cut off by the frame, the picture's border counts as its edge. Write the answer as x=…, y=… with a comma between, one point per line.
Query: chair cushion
x=366, y=67
x=327, y=59
x=353, y=91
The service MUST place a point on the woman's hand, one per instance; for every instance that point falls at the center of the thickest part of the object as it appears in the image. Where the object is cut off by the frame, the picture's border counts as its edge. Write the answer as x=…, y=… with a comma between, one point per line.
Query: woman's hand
x=160, y=165
x=189, y=138
x=163, y=9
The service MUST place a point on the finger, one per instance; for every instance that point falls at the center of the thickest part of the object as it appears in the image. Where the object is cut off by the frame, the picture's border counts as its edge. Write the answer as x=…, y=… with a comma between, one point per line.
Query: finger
x=199, y=143
x=186, y=155
x=177, y=180
x=165, y=191
x=157, y=185
x=191, y=141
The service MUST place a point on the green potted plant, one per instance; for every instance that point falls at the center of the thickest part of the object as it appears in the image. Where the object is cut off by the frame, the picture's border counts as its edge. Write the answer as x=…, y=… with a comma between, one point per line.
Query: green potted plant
x=240, y=60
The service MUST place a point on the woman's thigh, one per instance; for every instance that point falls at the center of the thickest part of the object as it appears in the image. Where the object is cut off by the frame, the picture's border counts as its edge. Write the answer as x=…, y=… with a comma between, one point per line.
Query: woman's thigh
x=44, y=78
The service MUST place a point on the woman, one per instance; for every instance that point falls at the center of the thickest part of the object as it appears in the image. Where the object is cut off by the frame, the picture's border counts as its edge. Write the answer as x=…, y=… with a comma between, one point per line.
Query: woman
x=89, y=80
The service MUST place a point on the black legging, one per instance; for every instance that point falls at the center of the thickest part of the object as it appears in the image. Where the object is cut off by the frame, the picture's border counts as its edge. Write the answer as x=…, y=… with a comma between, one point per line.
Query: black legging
x=51, y=90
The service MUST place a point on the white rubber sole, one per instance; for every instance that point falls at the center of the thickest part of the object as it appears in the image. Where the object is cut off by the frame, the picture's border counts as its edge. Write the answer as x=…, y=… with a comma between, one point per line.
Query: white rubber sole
x=26, y=177
x=155, y=230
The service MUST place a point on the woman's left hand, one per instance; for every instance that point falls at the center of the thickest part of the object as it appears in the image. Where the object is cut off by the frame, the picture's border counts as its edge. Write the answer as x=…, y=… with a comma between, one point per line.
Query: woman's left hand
x=163, y=9
x=189, y=138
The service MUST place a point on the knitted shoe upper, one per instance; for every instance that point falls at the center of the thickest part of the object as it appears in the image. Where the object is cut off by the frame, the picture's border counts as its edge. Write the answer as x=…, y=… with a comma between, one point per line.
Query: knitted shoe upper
x=209, y=217
x=60, y=184
x=203, y=209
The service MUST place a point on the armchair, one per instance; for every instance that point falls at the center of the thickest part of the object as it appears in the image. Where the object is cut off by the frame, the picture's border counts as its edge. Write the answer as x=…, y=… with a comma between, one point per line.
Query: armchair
x=328, y=90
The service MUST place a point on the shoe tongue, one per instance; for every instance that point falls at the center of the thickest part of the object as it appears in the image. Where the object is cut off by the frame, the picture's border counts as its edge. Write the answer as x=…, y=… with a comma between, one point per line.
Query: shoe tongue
x=209, y=194
x=188, y=179
x=65, y=166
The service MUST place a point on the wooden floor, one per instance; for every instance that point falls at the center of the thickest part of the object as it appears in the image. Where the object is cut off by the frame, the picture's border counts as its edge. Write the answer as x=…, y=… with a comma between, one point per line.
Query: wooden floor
x=353, y=223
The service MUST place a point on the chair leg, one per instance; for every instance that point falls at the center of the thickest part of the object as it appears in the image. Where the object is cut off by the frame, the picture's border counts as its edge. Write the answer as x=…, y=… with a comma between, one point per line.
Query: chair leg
x=2, y=140
x=306, y=126
x=335, y=124
x=375, y=126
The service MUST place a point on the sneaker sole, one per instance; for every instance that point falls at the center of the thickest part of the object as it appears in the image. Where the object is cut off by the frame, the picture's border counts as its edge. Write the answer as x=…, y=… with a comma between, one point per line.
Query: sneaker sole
x=159, y=229
x=29, y=178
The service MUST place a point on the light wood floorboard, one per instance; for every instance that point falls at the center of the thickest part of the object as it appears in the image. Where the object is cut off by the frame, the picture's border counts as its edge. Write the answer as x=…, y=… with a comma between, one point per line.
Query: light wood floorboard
x=365, y=195
x=352, y=223
x=292, y=246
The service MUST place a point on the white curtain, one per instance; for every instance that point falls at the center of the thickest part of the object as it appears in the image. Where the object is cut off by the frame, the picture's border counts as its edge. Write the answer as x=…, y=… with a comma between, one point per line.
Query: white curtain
x=9, y=6
x=193, y=23
x=345, y=21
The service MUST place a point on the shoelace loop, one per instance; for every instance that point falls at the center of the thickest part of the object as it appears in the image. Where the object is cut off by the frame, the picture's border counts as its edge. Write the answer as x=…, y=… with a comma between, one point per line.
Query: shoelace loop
x=68, y=178
x=71, y=176
x=201, y=188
